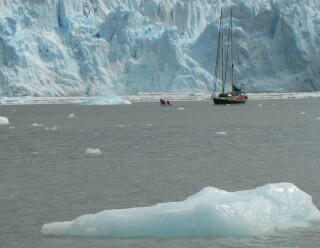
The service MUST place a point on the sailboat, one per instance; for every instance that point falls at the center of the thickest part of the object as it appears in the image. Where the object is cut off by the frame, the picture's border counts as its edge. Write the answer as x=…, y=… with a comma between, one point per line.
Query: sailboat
x=236, y=95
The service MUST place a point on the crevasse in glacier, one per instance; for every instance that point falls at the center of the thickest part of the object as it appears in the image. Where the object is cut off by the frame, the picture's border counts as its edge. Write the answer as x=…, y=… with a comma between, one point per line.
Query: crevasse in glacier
x=113, y=47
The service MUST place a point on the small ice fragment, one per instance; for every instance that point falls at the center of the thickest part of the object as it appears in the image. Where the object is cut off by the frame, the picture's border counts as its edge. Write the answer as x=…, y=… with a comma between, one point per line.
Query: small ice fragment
x=108, y=100
x=149, y=125
x=221, y=133
x=93, y=151
x=4, y=121
x=180, y=108
x=12, y=127
x=318, y=118
x=302, y=113
x=55, y=128
x=121, y=125
x=36, y=125
x=72, y=116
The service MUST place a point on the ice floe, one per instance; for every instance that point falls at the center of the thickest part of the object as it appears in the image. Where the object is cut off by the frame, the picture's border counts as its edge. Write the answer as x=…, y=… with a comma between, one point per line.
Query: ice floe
x=210, y=212
x=221, y=133
x=93, y=151
x=36, y=125
x=4, y=120
x=108, y=100
x=72, y=116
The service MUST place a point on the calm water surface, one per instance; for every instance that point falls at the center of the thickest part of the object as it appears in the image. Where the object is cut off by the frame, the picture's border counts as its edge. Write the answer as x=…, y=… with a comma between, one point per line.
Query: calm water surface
x=150, y=154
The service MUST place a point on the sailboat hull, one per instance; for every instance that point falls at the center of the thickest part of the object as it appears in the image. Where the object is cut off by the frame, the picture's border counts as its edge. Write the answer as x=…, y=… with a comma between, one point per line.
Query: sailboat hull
x=227, y=100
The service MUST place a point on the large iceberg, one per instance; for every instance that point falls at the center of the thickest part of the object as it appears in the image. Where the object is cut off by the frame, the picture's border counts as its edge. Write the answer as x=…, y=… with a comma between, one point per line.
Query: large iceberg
x=210, y=212
x=120, y=47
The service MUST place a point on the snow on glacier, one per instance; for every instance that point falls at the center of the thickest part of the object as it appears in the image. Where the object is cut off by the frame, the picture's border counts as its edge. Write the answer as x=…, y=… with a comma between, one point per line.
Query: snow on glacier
x=119, y=47
x=210, y=212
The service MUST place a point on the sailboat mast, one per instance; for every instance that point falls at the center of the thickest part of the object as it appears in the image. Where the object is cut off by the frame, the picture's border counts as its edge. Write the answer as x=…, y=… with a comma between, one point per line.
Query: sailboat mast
x=222, y=44
x=232, y=64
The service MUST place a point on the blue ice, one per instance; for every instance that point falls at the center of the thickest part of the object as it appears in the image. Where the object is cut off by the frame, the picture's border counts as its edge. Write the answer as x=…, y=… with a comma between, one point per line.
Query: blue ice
x=210, y=212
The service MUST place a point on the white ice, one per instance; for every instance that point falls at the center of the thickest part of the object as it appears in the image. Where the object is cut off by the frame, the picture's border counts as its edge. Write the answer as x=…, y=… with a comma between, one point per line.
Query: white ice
x=36, y=124
x=93, y=151
x=72, y=116
x=4, y=120
x=151, y=97
x=54, y=128
x=210, y=212
x=108, y=100
x=221, y=133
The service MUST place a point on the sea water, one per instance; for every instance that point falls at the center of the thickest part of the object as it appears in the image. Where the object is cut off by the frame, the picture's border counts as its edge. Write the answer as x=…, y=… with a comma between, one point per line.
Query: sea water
x=150, y=154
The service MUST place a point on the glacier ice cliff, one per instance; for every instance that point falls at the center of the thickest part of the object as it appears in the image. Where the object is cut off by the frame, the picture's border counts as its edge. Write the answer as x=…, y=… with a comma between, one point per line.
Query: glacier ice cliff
x=210, y=212
x=118, y=47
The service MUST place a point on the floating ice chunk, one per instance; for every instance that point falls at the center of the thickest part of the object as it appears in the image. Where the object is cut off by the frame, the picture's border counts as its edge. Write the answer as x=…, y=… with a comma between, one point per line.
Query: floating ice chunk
x=4, y=120
x=36, y=125
x=108, y=100
x=302, y=113
x=93, y=151
x=196, y=94
x=318, y=118
x=12, y=127
x=72, y=116
x=122, y=126
x=221, y=133
x=54, y=128
x=149, y=125
x=210, y=212
x=180, y=108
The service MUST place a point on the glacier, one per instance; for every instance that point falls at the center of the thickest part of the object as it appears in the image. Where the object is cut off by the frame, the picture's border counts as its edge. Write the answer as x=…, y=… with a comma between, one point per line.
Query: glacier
x=107, y=100
x=210, y=212
x=60, y=48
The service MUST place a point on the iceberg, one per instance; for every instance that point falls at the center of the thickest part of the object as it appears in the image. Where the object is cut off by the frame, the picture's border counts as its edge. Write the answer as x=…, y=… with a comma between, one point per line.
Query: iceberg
x=210, y=212
x=108, y=100
x=63, y=48
x=93, y=151
x=4, y=120
x=73, y=116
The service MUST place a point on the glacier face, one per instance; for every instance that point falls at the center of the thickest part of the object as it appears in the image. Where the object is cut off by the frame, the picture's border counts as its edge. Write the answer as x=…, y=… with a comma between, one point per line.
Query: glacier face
x=118, y=47
x=210, y=212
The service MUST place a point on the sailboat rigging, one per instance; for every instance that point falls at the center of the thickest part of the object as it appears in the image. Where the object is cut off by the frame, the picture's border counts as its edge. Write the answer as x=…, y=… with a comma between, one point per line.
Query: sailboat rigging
x=236, y=95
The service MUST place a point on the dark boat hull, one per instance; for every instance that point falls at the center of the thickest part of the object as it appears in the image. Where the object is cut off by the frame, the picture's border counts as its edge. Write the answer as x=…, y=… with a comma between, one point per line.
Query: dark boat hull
x=224, y=100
